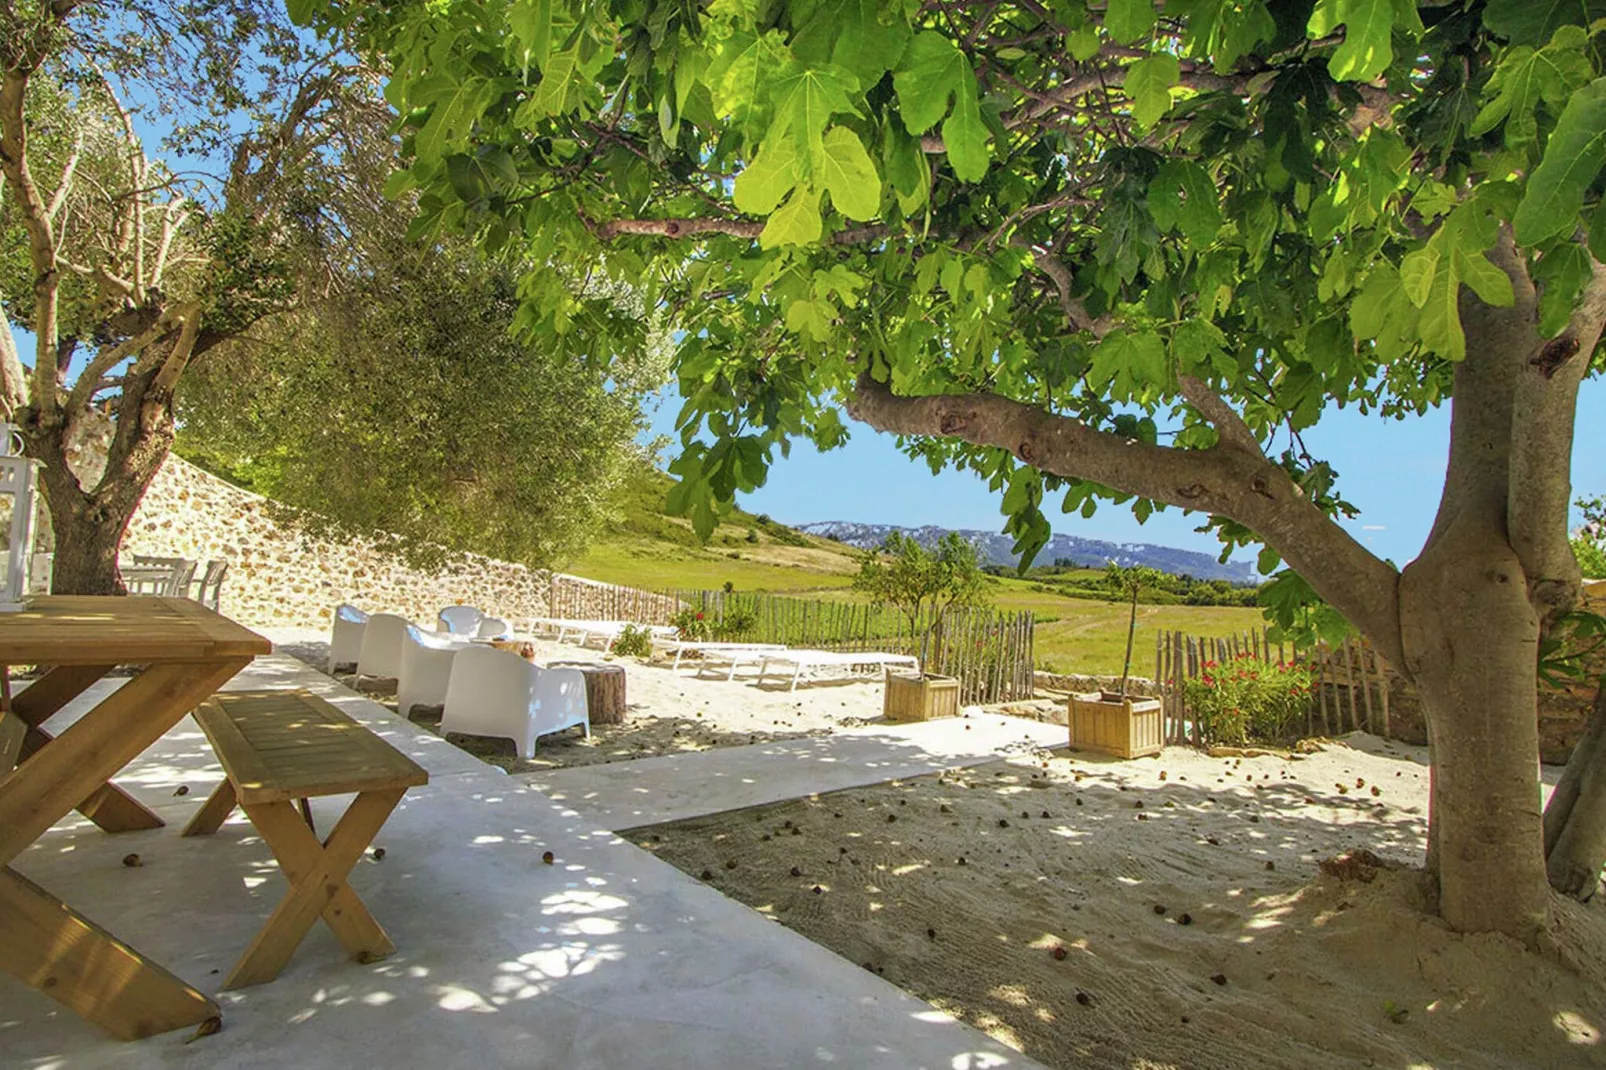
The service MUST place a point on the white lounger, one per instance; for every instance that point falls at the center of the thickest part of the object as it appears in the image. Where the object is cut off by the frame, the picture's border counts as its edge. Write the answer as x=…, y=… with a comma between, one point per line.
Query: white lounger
x=734, y=654
x=606, y=630
x=811, y=661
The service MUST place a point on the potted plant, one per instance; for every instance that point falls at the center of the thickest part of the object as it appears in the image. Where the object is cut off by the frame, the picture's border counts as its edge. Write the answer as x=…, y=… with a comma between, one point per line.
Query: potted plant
x=1114, y=722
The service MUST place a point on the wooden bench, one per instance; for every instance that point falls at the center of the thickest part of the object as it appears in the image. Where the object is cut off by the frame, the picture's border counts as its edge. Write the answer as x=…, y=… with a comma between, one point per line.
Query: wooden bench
x=281, y=747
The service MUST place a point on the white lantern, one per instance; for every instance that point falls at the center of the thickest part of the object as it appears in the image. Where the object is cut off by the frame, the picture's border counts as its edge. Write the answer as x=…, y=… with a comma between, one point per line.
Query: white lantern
x=18, y=486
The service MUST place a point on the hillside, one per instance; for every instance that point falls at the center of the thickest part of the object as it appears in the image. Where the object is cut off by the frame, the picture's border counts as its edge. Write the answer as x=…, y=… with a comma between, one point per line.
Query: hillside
x=996, y=549
x=645, y=548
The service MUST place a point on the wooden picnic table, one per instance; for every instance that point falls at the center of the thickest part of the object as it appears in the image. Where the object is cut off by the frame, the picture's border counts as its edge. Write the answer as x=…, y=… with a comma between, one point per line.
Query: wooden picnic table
x=183, y=653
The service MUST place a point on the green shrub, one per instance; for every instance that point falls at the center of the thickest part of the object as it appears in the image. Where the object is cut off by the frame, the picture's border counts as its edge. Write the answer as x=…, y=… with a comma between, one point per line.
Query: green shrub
x=692, y=625
x=1591, y=558
x=1246, y=698
x=634, y=642
x=736, y=622
x=752, y=534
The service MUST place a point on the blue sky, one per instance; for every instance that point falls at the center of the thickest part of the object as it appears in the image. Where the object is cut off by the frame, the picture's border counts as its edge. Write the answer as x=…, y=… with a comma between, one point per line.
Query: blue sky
x=1392, y=470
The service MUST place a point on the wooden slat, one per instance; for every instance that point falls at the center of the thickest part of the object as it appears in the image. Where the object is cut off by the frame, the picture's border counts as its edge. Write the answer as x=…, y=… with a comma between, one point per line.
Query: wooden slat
x=135, y=630
x=282, y=745
x=59, y=685
x=49, y=946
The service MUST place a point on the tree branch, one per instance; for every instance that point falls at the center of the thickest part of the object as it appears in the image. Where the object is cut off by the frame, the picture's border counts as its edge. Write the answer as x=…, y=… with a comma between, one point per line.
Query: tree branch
x=179, y=358
x=1059, y=272
x=1542, y=418
x=1228, y=424
x=735, y=228
x=36, y=222
x=107, y=359
x=1223, y=480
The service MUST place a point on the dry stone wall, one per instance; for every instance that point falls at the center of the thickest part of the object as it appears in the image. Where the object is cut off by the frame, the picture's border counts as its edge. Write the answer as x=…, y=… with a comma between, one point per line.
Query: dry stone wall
x=279, y=576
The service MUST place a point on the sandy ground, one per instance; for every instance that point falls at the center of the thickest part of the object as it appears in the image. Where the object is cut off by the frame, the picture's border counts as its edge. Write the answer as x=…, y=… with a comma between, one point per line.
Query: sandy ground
x=1164, y=912
x=669, y=712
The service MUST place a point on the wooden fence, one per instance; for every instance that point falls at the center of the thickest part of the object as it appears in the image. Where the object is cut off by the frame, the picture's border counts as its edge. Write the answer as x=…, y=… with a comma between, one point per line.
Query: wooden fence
x=1341, y=674
x=989, y=652
x=576, y=598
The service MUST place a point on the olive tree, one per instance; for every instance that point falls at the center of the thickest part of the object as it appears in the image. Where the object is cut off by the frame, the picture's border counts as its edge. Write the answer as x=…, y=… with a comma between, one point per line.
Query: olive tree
x=127, y=269
x=1094, y=251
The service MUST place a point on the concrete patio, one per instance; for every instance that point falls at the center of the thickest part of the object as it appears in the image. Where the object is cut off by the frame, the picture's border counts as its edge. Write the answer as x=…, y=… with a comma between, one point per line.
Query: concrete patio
x=605, y=959
x=651, y=791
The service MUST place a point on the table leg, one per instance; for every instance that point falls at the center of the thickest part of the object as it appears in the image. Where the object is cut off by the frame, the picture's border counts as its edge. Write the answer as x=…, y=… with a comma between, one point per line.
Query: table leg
x=317, y=874
x=36, y=794
x=108, y=806
x=69, y=958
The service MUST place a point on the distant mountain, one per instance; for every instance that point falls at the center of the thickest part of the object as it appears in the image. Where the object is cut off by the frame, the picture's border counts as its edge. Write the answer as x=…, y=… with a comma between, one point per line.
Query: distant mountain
x=995, y=549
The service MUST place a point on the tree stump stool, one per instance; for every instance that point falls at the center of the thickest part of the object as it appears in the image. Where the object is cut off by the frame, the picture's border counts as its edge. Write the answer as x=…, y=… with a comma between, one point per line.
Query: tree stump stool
x=605, y=689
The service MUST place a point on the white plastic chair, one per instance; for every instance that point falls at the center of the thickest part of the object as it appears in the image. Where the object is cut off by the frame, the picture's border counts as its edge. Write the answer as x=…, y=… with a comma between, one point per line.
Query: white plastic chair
x=380, y=655
x=494, y=628
x=497, y=693
x=426, y=667
x=459, y=620
x=345, y=640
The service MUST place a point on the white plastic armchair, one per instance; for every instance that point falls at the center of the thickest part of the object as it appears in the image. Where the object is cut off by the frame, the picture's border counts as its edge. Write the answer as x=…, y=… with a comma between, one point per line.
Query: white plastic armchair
x=497, y=693
x=345, y=640
x=459, y=620
x=380, y=655
x=426, y=668
x=494, y=628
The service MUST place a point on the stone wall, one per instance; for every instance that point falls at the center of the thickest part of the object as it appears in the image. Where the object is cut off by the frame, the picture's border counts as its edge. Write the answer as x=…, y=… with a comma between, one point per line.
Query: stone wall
x=279, y=576
x=1069, y=682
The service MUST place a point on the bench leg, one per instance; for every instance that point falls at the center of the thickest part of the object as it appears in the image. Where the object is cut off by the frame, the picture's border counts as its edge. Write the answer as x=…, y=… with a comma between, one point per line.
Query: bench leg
x=52, y=948
x=216, y=810
x=317, y=874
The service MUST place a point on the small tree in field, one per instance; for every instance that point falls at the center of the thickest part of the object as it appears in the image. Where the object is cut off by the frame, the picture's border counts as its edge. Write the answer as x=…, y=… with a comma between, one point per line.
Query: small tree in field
x=923, y=584
x=1128, y=582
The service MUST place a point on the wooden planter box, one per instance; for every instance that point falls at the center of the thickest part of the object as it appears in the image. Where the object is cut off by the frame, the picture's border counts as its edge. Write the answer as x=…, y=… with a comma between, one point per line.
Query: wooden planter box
x=1127, y=728
x=921, y=698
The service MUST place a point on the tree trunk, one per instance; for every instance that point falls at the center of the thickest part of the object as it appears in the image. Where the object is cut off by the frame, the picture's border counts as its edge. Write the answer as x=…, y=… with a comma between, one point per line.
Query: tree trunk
x=1131, y=630
x=1575, y=819
x=1470, y=636
x=86, y=554
x=89, y=524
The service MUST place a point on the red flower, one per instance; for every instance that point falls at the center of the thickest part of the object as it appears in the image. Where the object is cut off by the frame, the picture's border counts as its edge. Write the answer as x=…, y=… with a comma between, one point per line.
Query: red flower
x=699, y=616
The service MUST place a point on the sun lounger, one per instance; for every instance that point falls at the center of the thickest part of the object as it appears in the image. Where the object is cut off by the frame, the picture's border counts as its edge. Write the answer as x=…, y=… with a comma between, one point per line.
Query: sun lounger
x=733, y=654
x=811, y=662
x=583, y=631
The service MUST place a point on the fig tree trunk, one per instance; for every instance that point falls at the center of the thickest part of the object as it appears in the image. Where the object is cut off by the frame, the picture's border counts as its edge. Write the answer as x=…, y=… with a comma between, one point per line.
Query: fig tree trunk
x=1470, y=638
x=1575, y=819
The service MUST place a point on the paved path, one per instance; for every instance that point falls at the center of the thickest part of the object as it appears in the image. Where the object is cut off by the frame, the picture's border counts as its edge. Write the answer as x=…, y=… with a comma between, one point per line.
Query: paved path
x=650, y=791
x=605, y=959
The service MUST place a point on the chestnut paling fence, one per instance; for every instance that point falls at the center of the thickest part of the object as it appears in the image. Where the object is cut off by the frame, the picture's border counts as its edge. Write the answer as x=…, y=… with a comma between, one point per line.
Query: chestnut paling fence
x=990, y=652
x=1352, y=685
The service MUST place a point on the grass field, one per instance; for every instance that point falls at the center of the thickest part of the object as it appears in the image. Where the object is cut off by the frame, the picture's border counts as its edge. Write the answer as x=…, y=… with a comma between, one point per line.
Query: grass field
x=1074, y=635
